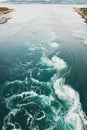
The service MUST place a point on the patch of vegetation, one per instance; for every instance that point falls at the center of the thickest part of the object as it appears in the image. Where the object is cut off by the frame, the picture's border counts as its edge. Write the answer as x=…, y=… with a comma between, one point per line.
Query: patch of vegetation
x=3, y=17
x=84, y=10
x=4, y=9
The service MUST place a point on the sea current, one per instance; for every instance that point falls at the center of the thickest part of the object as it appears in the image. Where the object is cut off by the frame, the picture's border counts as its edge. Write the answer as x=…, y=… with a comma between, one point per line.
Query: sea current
x=34, y=94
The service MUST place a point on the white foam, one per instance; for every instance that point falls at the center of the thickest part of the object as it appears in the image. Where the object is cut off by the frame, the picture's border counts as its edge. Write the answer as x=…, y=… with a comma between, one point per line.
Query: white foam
x=63, y=91
x=75, y=117
x=13, y=82
x=85, y=42
x=39, y=118
x=54, y=62
x=70, y=97
x=75, y=121
x=58, y=63
x=54, y=45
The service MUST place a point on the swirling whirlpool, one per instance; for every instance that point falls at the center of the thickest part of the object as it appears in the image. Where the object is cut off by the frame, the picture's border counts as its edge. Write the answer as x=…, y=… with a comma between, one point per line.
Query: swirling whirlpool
x=40, y=99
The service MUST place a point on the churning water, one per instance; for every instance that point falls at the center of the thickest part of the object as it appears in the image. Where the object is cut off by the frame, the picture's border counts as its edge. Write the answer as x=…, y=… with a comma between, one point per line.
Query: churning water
x=43, y=69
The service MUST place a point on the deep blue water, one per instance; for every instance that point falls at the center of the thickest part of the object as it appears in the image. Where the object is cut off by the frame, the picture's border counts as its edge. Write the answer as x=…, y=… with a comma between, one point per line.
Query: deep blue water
x=43, y=69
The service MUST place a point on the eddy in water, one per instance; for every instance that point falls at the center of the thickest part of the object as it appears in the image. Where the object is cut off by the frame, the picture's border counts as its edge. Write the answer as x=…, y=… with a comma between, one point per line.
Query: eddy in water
x=42, y=101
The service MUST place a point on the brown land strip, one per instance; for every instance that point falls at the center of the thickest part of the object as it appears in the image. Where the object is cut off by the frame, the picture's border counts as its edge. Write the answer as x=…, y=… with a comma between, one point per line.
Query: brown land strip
x=3, y=12
x=82, y=12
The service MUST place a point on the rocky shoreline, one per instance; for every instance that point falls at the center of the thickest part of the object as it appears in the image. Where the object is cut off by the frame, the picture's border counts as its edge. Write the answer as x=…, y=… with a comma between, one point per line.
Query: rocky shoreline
x=82, y=12
x=3, y=12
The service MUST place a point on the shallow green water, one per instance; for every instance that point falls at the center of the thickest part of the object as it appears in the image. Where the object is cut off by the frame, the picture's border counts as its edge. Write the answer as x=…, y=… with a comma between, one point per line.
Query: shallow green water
x=42, y=69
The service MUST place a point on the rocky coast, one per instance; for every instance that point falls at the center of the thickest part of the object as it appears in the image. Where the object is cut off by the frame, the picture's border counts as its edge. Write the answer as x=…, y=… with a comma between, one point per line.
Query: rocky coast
x=82, y=12
x=3, y=14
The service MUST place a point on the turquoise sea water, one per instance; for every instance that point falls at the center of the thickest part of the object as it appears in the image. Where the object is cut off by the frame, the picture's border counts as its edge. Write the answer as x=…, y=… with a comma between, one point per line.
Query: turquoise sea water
x=43, y=69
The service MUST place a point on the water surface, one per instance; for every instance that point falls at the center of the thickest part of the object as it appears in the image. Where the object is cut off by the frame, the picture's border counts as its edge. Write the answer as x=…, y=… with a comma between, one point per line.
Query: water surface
x=43, y=68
